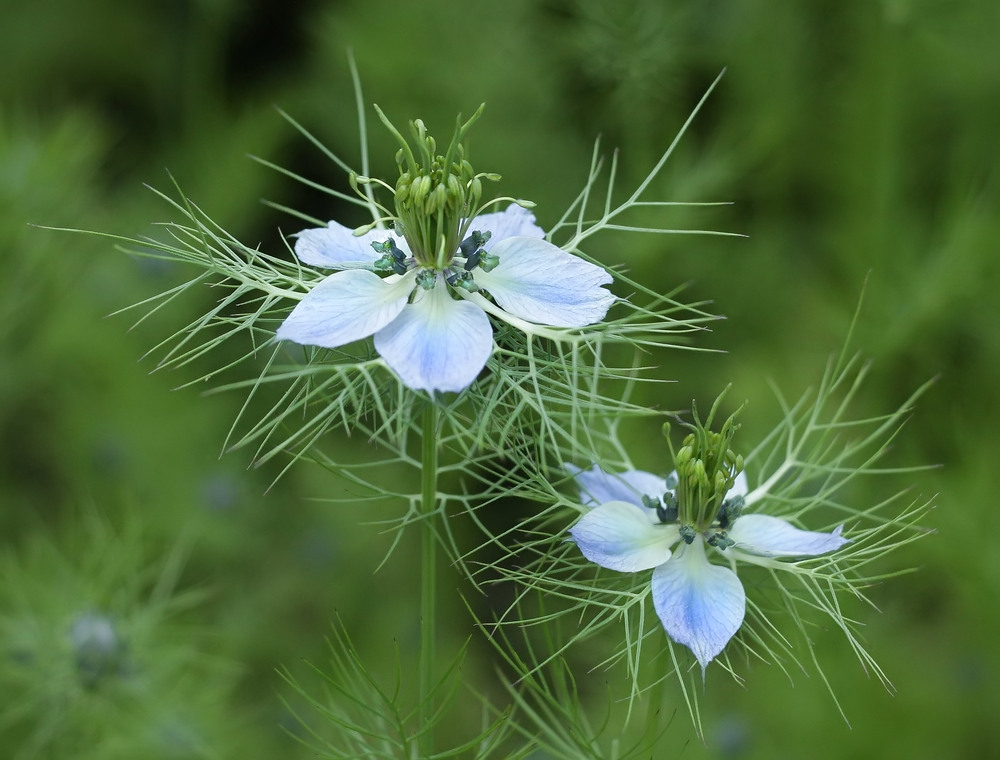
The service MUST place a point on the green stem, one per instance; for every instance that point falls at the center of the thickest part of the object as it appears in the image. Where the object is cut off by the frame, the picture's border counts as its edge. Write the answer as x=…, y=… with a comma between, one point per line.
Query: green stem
x=428, y=574
x=654, y=707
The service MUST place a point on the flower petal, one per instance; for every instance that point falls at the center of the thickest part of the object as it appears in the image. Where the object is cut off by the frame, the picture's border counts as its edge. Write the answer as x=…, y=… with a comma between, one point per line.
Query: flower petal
x=346, y=307
x=598, y=486
x=769, y=536
x=621, y=536
x=437, y=343
x=336, y=246
x=740, y=487
x=514, y=221
x=543, y=284
x=701, y=605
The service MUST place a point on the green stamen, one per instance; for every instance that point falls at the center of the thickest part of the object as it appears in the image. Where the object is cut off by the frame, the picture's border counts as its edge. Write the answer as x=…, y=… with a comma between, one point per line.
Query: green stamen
x=706, y=469
x=436, y=195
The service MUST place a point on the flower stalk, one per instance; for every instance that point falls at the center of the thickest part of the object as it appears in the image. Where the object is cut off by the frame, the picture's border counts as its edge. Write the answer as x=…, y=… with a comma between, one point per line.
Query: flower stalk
x=428, y=575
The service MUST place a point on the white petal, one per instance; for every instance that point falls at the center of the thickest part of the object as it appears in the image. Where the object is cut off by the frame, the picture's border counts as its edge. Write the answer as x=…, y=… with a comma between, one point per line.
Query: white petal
x=740, y=487
x=437, y=343
x=598, y=487
x=701, y=605
x=514, y=221
x=769, y=536
x=621, y=536
x=336, y=246
x=541, y=283
x=346, y=307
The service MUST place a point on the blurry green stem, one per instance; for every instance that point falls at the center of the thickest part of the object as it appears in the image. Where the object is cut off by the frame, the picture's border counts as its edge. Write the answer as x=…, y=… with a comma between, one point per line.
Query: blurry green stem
x=428, y=574
x=654, y=719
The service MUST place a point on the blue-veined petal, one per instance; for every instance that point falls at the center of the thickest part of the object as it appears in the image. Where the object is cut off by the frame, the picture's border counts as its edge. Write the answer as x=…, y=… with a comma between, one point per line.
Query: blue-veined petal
x=514, y=221
x=621, y=536
x=701, y=605
x=437, y=343
x=768, y=536
x=541, y=283
x=336, y=246
x=598, y=486
x=346, y=307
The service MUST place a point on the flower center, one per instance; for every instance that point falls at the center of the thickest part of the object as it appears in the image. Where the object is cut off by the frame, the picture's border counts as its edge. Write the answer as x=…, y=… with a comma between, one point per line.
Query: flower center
x=458, y=274
x=715, y=533
x=705, y=471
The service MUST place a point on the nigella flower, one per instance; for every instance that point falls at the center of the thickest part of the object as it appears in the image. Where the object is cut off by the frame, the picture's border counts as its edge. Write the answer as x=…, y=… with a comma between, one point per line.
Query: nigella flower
x=428, y=319
x=676, y=526
x=423, y=288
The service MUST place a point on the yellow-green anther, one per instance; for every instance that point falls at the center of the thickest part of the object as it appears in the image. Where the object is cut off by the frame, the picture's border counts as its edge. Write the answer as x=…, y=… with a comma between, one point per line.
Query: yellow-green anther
x=721, y=482
x=438, y=198
x=420, y=187
x=683, y=457
x=698, y=473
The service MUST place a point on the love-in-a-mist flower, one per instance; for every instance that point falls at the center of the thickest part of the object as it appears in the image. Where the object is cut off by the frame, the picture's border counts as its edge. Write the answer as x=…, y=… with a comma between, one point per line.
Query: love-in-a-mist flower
x=423, y=288
x=677, y=526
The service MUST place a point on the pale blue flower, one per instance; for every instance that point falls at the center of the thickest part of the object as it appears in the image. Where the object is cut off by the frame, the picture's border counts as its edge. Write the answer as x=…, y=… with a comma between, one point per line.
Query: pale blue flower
x=430, y=323
x=701, y=604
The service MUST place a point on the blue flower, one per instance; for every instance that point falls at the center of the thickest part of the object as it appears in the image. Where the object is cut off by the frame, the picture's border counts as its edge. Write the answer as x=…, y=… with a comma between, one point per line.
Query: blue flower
x=701, y=604
x=429, y=321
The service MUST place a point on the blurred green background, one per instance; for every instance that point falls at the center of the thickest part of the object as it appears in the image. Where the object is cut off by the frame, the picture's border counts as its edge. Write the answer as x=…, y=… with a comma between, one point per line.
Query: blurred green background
x=857, y=140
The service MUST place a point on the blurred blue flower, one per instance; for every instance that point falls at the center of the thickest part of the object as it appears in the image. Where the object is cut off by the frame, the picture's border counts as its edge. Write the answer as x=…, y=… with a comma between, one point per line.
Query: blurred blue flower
x=430, y=323
x=701, y=604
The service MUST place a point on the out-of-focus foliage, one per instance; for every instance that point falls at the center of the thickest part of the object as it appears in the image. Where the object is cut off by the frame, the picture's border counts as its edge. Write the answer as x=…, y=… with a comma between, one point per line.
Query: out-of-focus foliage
x=856, y=140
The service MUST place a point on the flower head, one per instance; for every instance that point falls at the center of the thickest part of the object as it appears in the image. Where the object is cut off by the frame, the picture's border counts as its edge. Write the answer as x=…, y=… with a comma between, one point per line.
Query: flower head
x=423, y=288
x=675, y=526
